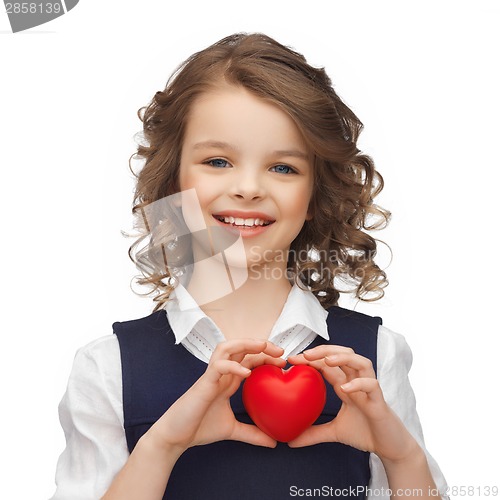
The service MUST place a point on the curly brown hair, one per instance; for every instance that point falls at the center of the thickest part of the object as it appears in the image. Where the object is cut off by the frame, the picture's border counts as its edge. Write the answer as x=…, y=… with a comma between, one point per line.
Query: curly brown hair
x=333, y=248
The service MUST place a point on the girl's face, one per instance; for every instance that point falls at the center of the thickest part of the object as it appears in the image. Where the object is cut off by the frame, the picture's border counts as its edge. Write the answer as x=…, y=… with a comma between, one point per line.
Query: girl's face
x=250, y=168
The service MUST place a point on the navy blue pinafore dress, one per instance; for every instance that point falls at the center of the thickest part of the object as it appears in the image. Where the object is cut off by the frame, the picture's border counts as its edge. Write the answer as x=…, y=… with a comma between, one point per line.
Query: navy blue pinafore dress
x=156, y=372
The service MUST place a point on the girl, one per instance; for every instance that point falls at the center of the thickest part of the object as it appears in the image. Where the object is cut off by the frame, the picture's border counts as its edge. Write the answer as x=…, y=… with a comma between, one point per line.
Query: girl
x=254, y=201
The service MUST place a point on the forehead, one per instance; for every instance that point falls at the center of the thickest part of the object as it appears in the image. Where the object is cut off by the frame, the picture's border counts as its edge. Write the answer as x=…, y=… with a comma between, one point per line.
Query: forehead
x=234, y=115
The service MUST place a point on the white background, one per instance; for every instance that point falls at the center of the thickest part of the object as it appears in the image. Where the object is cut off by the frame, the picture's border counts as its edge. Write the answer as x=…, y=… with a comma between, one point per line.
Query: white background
x=423, y=78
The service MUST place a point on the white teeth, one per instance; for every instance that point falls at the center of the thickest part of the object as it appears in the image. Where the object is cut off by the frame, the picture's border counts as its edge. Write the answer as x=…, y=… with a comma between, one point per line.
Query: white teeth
x=238, y=221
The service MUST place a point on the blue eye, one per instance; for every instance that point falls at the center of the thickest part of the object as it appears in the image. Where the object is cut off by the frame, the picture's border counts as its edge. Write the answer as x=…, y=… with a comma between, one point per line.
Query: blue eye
x=217, y=163
x=283, y=169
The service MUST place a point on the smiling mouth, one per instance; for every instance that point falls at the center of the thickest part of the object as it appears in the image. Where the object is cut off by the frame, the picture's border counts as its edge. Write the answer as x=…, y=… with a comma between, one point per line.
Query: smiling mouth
x=240, y=222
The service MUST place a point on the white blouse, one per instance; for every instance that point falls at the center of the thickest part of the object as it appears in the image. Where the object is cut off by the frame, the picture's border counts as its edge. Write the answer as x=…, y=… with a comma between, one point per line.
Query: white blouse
x=91, y=411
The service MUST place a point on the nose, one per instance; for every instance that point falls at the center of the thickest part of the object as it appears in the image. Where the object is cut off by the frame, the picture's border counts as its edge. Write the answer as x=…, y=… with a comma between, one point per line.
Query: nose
x=248, y=184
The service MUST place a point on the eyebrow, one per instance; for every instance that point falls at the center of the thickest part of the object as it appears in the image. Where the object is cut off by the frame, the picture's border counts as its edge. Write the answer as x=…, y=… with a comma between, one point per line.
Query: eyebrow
x=295, y=153
x=213, y=144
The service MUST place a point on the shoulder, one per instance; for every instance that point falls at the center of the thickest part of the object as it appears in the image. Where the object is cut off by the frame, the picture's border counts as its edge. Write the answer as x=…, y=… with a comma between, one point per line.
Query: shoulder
x=342, y=312
x=355, y=330
x=94, y=381
x=346, y=324
x=97, y=361
x=357, y=319
x=394, y=353
x=155, y=321
x=102, y=347
x=105, y=351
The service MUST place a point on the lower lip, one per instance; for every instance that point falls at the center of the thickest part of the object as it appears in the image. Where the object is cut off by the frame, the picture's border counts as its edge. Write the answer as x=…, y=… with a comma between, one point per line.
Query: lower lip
x=244, y=231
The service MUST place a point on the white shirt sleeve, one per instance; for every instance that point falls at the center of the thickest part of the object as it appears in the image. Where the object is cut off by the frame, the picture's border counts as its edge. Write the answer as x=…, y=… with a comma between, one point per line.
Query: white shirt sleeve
x=91, y=415
x=394, y=360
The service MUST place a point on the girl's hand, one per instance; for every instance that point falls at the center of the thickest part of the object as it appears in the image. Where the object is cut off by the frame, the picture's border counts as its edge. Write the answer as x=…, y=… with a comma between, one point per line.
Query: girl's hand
x=364, y=421
x=203, y=414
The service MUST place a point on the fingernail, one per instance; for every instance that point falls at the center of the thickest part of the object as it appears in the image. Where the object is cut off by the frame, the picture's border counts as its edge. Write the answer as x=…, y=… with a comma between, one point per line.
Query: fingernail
x=346, y=387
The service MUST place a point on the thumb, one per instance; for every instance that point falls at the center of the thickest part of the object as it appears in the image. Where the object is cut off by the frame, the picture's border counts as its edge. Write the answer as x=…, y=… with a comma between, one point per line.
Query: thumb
x=251, y=434
x=315, y=434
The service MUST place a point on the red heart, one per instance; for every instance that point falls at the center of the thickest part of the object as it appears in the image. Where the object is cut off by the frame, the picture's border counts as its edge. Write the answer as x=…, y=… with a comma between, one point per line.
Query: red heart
x=283, y=404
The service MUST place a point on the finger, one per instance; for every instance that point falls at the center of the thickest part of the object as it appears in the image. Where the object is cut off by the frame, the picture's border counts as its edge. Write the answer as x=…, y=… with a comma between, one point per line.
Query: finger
x=333, y=374
x=349, y=373
x=222, y=367
x=315, y=434
x=238, y=347
x=298, y=359
x=353, y=365
x=273, y=349
x=251, y=434
x=370, y=386
x=270, y=352
x=324, y=350
x=262, y=359
x=225, y=349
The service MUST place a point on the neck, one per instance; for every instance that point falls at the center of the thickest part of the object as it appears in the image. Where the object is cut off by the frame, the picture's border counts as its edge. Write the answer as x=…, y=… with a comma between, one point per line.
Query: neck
x=250, y=308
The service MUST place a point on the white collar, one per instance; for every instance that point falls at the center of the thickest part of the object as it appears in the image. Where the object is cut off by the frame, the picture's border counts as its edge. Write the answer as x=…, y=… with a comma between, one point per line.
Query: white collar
x=301, y=308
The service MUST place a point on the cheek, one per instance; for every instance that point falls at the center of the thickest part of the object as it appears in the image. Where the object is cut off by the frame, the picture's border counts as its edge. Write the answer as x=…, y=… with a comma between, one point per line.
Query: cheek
x=308, y=201
x=299, y=202
x=185, y=180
